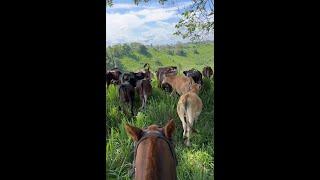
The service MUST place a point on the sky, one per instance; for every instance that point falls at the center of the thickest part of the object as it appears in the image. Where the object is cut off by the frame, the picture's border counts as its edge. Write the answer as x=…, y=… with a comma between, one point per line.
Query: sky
x=147, y=23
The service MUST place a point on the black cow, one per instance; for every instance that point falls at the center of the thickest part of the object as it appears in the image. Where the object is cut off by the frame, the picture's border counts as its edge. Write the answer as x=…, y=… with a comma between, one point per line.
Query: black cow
x=195, y=75
x=147, y=71
x=113, y=76
x=126, y=95
x=207, y=72
x=132, y=78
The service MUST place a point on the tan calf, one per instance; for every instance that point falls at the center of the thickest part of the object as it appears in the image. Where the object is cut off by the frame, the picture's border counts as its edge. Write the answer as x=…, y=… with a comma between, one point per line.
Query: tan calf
x=189, y=108
x=179, y=84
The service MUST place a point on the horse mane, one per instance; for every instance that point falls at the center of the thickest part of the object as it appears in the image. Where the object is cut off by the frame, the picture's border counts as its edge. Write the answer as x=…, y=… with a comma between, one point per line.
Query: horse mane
x=151, y=170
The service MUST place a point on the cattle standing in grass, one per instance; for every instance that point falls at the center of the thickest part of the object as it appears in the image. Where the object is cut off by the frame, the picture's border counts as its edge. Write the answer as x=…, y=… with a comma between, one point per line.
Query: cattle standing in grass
x=179, y=84
x=161, y=72
x=189, y=108
x=207, y=72
x=147, y=71
x=144, y=90
x=132, y=78
x=126, y=95
x=147, y=74
x=195, y=74
x=113, y=76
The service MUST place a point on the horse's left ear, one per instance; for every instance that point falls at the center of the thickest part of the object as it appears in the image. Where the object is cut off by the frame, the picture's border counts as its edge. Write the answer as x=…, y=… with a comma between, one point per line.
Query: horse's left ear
x=169, y=129
x=134, y=132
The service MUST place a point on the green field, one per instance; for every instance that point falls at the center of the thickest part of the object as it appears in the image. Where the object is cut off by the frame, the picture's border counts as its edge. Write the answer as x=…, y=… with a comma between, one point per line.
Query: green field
x=196, y=56
x=195, y=162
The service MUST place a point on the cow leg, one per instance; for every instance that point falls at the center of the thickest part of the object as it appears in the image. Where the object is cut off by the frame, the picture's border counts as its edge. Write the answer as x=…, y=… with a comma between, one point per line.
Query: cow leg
x=181, y=114
x=123, y=108
x=187, y=140
x=145, y=101
x=189, y=121
x=141, y=99
x=184, y=125
x=131, y=107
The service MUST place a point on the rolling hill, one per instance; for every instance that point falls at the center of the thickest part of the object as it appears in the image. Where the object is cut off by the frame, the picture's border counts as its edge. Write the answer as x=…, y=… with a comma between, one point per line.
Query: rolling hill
x=132, y=57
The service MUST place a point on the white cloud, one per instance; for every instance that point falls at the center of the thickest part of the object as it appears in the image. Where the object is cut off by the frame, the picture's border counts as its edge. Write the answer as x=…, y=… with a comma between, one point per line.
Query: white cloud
x=151, y=15
x=146, y=25
x=148, y=5
x=122, y=6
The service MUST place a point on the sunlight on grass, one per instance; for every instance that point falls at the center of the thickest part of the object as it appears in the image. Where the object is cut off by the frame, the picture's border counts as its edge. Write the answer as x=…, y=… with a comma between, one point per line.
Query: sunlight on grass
x=195, y=162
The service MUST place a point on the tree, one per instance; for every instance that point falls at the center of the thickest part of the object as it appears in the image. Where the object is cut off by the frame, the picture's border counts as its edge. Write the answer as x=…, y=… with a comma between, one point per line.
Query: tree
x=179, y=49
x=143, y=50
x=197, y=21
x=126, y=49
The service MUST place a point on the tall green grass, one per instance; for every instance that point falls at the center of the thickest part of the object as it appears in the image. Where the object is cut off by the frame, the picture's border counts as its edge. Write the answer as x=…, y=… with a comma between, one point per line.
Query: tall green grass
x=195, y=162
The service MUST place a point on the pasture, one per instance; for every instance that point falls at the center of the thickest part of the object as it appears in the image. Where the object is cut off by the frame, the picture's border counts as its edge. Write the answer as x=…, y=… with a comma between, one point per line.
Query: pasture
x=131, y=57
x=194, y=162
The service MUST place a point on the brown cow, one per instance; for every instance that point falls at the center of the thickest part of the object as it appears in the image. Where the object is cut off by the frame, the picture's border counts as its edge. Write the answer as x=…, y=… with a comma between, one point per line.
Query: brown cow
x=189, y=108
x=207, y=72
x=144, y=90
x=179, y=84
x=113, y=76
x=161, y=72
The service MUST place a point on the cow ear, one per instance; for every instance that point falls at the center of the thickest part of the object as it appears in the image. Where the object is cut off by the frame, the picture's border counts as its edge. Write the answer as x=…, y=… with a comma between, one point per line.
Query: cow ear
x=134, y=132
x=169, y=129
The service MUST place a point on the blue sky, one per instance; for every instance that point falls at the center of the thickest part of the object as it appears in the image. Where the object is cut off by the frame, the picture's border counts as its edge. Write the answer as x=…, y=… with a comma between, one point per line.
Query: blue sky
x=146, y=23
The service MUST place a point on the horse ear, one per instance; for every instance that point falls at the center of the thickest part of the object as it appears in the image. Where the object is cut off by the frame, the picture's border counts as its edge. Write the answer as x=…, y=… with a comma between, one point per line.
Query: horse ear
x=134, y=132
x=169, y=129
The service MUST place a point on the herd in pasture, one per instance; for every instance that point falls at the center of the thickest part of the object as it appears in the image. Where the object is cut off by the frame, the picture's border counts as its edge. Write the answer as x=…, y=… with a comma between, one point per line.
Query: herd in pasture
x=154, y=152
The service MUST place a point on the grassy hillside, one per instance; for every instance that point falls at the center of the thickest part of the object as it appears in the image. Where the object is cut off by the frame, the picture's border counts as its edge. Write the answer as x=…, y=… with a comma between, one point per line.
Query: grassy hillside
x=195, y=162
x=131, y=59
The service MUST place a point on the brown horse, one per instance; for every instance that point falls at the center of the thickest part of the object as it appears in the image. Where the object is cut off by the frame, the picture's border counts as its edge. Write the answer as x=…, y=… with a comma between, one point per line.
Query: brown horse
x=154, y=154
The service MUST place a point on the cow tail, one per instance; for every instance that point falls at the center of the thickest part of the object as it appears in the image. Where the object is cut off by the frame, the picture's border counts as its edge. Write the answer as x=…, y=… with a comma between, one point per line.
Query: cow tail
x=186, y=111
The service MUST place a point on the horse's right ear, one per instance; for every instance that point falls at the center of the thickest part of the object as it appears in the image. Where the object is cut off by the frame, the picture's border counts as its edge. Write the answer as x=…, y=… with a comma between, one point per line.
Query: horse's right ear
x=169, y=129
x=134, y=132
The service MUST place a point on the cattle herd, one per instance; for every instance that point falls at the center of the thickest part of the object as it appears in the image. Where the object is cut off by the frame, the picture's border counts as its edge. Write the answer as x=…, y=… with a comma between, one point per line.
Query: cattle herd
x=187, y=86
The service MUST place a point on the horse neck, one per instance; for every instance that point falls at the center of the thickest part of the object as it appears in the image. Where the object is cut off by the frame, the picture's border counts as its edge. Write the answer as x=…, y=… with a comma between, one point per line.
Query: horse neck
x=155, y=160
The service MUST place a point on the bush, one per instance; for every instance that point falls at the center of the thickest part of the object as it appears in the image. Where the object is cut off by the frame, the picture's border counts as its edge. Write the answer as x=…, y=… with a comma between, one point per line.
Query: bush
x=170, y=52
x=143, y=50
x=158, y=63
x=181, y=52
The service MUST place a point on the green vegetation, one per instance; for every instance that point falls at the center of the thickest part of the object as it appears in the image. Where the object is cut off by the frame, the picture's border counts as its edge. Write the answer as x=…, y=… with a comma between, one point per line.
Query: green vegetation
x=195, y=162
x=132, y=57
